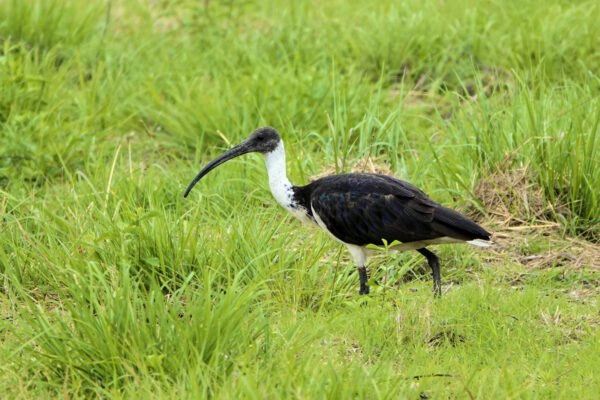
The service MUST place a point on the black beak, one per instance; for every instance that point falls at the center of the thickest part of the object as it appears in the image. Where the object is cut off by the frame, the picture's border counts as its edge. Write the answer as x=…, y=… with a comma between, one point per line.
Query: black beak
x=234, y=152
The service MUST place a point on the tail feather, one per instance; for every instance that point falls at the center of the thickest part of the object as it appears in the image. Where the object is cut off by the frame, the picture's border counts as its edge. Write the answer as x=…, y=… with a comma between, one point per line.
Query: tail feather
x=458, y=226
x=480, y=243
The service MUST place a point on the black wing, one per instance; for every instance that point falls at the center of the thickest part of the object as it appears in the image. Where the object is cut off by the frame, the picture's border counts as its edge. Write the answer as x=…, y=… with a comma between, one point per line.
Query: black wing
x=366, y=208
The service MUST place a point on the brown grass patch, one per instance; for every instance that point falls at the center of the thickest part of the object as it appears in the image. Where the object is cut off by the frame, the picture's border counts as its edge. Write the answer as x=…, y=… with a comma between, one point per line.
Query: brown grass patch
x=511, y=198
x=367, y=164
x=513, y=244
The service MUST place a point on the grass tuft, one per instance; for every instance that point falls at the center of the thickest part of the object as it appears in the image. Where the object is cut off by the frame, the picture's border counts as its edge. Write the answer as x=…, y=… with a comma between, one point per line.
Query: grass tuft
x=115, y=286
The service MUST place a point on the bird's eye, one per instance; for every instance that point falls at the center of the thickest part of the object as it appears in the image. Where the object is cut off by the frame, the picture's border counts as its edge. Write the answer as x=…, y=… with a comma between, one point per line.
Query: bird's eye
x=260, y=138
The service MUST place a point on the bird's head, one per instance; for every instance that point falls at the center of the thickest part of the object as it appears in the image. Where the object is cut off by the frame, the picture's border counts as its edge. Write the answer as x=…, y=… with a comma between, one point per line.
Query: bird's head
x=263, y=140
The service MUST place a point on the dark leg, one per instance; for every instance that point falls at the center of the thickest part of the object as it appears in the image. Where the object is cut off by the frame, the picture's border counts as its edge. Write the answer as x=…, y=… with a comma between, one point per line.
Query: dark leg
x=362, y=274
x=434, y=263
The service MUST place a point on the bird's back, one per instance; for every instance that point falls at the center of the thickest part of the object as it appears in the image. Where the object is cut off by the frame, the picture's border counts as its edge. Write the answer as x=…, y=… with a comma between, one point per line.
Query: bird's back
x=366, y=208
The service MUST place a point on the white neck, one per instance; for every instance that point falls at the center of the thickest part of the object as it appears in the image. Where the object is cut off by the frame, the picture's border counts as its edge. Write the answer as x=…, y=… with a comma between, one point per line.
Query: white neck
x=278, y=181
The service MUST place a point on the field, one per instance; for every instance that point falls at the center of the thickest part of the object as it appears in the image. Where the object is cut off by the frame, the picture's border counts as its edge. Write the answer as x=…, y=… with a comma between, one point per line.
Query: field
x=115, y=286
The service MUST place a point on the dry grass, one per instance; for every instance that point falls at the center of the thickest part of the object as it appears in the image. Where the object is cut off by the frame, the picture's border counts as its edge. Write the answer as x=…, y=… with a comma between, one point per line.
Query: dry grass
x=515, y=244
x=367, y=164
x=510, y=198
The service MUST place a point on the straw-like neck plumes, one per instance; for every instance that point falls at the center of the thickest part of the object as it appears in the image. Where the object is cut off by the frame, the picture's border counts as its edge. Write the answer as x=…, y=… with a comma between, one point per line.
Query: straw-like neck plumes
x=278, y=181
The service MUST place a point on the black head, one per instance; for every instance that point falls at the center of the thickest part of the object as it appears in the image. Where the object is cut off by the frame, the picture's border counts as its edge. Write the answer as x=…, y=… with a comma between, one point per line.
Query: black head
x=263, y=140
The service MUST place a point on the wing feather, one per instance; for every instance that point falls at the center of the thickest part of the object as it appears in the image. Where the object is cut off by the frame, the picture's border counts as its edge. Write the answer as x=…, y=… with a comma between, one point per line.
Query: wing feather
x=366, y=208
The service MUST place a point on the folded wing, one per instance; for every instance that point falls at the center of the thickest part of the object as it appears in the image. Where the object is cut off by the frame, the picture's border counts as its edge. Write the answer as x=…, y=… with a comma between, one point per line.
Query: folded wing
x=366, y=208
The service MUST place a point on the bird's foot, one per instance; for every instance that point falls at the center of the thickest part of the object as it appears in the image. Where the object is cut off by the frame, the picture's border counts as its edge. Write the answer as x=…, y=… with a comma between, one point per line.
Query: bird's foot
x=364, y=289
x=437, y=291
x=362, y=274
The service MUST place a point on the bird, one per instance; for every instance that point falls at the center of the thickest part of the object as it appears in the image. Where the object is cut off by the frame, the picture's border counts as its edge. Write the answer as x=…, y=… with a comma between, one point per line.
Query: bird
x=360, y=209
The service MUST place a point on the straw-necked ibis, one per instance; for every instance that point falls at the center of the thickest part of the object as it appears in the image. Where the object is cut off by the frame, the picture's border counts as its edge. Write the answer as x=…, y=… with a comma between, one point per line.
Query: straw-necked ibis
x=360, y=209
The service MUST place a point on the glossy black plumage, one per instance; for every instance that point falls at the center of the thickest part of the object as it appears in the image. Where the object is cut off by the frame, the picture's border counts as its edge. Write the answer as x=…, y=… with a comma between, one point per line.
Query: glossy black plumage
x=363, y=209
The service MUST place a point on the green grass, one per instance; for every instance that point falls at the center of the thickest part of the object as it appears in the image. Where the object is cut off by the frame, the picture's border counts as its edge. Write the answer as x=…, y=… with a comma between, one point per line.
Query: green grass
x=115, y=286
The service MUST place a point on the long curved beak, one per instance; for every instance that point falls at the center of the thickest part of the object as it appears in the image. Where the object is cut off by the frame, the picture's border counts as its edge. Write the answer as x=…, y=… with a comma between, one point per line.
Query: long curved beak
x=236, y=151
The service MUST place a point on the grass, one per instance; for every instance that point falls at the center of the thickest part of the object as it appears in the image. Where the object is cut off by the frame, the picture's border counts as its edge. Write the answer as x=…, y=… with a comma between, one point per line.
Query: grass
x=115, y=286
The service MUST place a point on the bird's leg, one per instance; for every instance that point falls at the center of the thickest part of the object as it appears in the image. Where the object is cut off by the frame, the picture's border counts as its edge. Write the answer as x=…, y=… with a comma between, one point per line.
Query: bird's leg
x=434, y=263
x=362, y=273
x=360, y=258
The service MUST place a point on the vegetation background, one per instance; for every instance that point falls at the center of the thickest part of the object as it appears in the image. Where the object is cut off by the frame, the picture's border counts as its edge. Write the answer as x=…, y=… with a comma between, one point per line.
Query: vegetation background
x=115, y=286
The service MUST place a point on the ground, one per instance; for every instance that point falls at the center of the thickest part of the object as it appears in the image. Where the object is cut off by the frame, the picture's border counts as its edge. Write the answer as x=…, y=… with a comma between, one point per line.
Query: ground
x=115, y=286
